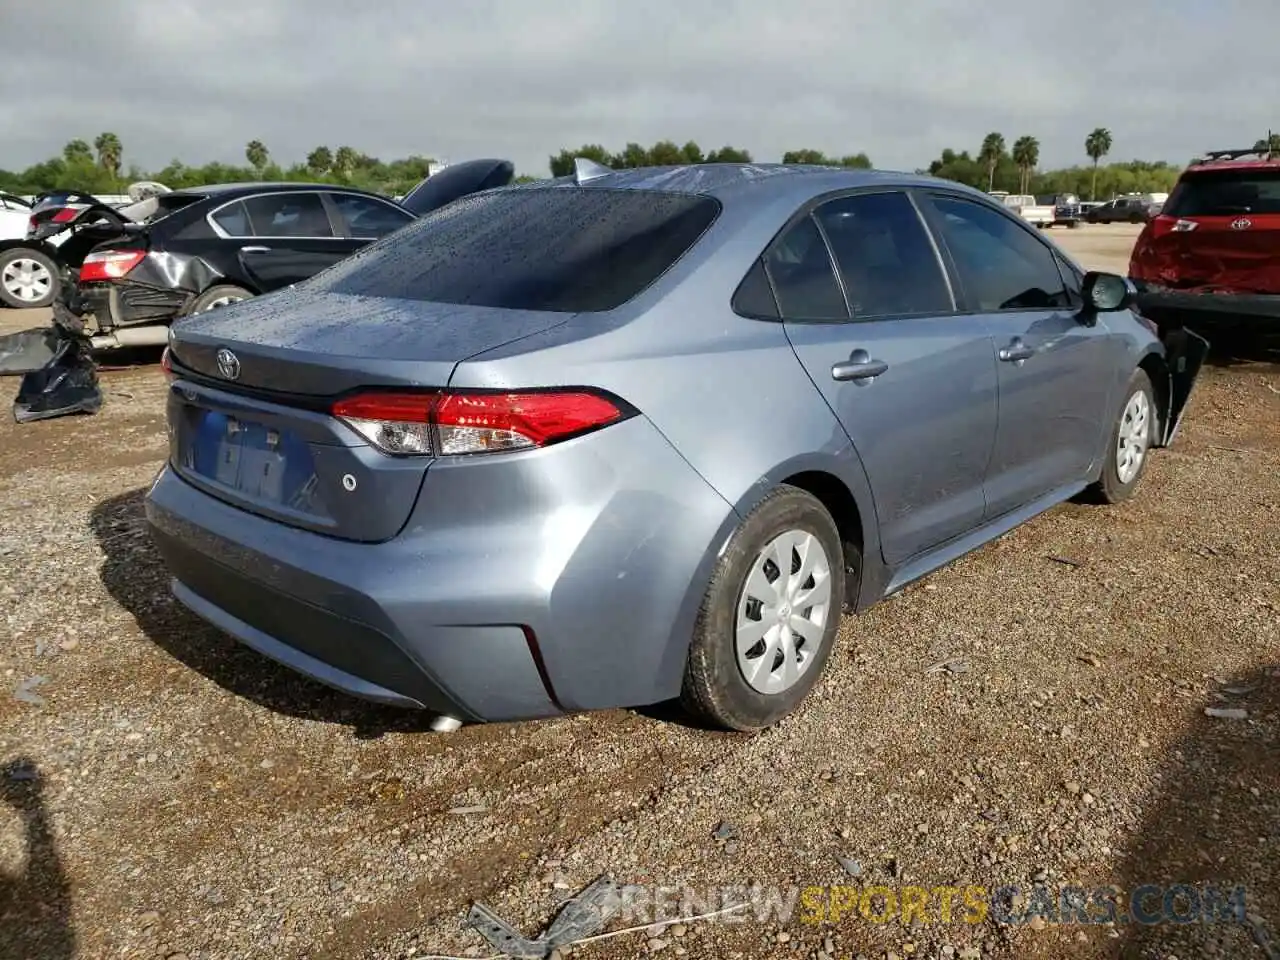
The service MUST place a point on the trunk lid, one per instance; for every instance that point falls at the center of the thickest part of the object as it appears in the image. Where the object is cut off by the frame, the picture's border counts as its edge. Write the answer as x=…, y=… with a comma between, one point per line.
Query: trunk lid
x=253, y=383
x=456, y=181
x=1219, y=230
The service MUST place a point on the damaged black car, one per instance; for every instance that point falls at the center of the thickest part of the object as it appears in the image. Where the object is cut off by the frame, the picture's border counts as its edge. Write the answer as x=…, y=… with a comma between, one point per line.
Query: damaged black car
x=127, y=274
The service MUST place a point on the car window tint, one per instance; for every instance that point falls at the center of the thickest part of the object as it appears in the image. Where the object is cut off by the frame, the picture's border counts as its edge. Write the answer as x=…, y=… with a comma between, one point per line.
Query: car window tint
x=1002, y=265
x=803, y=277
x=886, y=260
x=550, y=248
x=233, y=220
x=754, y=297
x=368, y=218
x=288, y=215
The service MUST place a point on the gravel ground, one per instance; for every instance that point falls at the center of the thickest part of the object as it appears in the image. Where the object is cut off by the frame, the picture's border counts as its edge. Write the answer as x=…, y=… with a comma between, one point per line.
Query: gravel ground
x=172, y=795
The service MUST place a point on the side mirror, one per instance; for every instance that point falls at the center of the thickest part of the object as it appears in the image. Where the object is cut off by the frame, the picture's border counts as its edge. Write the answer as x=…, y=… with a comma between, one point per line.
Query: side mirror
x=1107, y=292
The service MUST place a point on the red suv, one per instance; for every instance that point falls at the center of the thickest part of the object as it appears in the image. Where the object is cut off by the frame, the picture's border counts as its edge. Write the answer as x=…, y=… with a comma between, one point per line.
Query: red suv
x=1212, y=255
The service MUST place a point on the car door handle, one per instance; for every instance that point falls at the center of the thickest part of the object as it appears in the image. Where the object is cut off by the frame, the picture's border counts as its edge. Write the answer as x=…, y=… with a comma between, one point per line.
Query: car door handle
x=859, y=366
x=255, y=249
x=1016, y=352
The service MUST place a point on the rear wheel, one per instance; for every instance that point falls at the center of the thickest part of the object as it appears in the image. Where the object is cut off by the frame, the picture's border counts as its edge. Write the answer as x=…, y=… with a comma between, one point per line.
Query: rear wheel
x=1132, y=437
x=769, y=617
x=28, y=278
x=224, y=294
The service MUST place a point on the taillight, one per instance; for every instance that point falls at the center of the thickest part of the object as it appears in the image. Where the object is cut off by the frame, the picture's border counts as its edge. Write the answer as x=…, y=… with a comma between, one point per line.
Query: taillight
x=444, y=423
x=166, y=363
x=109, y=264
x=66, y=214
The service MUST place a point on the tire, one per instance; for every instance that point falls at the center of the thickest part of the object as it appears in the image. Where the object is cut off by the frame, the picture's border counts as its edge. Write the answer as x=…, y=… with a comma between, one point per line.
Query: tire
x=716, y=685
x=28, y=278
x=1136, y=218
x=1120, y=477
x=1073, y=224
x=218, y=296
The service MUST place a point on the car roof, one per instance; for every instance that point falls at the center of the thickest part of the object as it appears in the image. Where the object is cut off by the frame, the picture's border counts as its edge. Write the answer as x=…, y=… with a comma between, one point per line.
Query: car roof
x=1248, y=159
x=760, y=180
x=229, y=190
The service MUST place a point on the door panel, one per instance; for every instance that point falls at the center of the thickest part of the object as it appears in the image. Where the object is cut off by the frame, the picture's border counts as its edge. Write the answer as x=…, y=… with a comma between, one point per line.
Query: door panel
x=292, y=239
x=1055, y=374
x=923, y=428
x=913, y=385
x=276, y=262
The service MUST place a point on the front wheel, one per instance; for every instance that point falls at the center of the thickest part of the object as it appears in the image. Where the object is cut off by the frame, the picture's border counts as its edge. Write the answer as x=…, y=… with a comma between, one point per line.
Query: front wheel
x=28, y=278
x=770, y=615
x=1132, y=437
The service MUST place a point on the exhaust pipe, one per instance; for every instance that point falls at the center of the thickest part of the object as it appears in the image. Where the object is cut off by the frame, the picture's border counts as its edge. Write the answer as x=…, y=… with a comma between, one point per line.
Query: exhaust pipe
x=157, y=336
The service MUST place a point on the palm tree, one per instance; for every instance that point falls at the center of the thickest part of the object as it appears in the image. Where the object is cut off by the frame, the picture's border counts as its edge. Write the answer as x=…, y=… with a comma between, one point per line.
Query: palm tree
x=990, y=154
x=1026, y=154
x=256, y=153
x=109, y=153
x=1097, y=145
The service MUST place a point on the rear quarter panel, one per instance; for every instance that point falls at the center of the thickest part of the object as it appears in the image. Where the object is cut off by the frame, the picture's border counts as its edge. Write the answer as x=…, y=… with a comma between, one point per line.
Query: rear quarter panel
x=727, y=392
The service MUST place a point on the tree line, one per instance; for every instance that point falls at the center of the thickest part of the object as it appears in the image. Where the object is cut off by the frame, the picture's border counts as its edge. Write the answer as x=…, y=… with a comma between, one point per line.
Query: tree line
x=97, y=167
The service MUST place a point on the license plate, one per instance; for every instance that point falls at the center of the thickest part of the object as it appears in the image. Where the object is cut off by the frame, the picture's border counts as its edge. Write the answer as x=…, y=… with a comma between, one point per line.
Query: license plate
x=261, y=462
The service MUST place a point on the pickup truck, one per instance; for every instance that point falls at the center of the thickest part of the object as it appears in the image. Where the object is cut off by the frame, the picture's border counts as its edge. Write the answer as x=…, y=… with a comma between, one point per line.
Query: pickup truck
x=1039, y=214
x=1066, y=209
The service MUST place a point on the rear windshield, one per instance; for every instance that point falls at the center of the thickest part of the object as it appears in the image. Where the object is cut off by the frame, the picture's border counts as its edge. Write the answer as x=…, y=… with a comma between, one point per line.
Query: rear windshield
x=1225, y=193
x=555, y=249
x=167, y=203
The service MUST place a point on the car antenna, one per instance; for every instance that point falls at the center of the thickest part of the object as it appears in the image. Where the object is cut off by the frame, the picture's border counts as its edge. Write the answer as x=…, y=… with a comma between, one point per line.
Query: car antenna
x=585, y=170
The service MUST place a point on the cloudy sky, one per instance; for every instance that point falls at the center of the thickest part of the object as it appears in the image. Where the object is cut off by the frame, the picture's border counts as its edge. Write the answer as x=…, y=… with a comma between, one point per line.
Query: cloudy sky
x=900, y=79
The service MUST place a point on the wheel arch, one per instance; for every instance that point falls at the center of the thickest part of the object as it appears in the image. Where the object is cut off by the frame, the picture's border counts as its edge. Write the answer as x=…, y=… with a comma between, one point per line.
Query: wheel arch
x=39, y=246
x=840, y=483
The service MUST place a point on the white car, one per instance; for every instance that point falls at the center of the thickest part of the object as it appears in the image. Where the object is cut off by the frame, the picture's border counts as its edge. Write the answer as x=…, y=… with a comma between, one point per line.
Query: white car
x=28, y=270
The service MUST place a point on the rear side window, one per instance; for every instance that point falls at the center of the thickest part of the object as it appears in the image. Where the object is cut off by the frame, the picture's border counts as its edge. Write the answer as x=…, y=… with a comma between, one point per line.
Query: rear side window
x=1225, y=193
x=803, y=278
x=288, y=215
x=233, y=220
x=367, y=218
x=561, y=249
x=886, y=260
x=1002, y=265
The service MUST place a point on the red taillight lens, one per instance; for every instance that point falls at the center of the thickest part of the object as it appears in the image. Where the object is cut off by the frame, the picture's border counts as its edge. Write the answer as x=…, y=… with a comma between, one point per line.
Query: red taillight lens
x=449, y=424
x=109, y=264
x=67, y=214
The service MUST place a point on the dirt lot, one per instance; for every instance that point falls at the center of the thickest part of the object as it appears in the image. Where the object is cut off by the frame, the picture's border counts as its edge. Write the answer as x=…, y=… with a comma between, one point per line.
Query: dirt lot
x=170, y=794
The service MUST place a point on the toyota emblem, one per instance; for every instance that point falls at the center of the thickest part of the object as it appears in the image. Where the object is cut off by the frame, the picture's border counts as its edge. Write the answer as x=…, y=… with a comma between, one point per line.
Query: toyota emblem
x=228, y=364
x=1244, y=223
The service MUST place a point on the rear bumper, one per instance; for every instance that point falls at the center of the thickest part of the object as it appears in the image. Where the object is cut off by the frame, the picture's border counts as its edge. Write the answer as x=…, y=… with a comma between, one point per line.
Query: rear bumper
x=1240, y=312
x=124, y=303
x=521, y=587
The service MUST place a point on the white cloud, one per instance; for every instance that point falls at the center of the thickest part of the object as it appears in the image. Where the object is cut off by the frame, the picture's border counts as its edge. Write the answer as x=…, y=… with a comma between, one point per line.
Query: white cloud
x=900, y=80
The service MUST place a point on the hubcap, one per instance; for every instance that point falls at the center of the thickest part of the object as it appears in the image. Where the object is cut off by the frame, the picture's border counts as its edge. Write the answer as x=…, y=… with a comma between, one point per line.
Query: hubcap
x=26, y=279
x=221, y=302
x=1135, y=436
x=783, y=611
